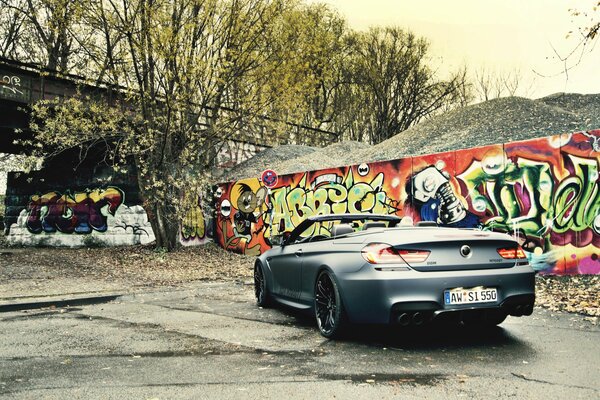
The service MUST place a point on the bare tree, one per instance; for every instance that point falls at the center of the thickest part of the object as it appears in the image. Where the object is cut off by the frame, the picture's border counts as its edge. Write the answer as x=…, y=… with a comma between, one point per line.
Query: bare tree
x=44, y=32
x=492, y=84
x=586, y=31
x=390, y=66
x=11, y=29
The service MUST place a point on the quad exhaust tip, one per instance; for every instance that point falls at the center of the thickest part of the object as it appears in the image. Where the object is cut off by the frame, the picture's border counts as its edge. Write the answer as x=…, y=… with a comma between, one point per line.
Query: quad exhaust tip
x=418, y=318
x=406, y=319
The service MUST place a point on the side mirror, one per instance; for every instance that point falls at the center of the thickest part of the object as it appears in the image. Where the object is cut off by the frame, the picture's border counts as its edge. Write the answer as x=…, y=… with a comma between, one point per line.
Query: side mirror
x=276, y=240
x=280, y=240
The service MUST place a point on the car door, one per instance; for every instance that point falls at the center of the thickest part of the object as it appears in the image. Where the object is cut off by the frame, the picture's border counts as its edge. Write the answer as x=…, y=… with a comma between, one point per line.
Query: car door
x=286, y=267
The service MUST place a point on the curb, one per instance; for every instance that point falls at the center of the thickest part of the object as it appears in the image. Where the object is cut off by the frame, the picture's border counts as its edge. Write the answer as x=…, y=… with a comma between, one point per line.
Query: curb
x=61, y=302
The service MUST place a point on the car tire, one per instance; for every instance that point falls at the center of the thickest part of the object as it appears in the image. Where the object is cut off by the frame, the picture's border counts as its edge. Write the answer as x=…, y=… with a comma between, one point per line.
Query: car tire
x=329, y=310
x=261, y=292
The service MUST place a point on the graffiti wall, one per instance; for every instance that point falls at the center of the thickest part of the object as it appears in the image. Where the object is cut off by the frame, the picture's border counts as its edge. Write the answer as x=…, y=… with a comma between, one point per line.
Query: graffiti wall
x=196, y=226
x=59, y=208
x=545, y=192
x=54, y=208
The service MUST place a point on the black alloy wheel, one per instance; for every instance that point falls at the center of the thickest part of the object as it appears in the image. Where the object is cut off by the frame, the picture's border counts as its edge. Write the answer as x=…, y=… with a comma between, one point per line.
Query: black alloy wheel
x=260, y=286
x=329, y=310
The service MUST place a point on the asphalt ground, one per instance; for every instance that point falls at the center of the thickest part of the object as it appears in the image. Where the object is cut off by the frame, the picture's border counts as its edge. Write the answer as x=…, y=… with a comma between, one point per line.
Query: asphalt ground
x=209, y=340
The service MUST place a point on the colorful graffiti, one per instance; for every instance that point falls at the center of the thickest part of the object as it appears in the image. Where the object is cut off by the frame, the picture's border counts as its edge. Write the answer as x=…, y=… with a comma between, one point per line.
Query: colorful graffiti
x=79, y=212
x=233, y=152
x=545, y=192
x=85, y=218
x=266, y=213
x=194, y=225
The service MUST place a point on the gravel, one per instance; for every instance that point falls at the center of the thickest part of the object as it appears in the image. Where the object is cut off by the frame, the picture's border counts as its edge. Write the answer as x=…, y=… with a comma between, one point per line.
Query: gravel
x=269, y=158
x=586, y=105
x=331, y=156
x=495, y=121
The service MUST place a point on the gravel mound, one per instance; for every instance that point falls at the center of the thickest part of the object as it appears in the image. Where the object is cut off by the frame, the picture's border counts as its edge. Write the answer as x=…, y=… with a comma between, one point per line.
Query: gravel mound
x=496, y=121
x=586, y=105
x=266, y=159
x=334, y=155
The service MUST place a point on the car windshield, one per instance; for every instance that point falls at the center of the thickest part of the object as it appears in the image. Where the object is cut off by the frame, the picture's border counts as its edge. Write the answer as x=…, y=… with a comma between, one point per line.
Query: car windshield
x=322, y=230
x=318, y=230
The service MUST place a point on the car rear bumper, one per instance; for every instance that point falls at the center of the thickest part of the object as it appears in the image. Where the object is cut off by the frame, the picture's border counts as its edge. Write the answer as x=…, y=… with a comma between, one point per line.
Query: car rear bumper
x=381, y=297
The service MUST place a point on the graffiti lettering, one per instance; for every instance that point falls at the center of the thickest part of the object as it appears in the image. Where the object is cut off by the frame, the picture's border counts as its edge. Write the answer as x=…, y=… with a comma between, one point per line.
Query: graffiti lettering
x=79, y=212
x=515, y=196
x=577, y=198
x=335, y=195
x=192, y=226
x=231, y=153
x=11, y=83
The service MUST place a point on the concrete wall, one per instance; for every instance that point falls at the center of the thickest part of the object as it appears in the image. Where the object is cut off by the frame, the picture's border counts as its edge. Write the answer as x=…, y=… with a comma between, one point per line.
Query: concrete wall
x=545, y=192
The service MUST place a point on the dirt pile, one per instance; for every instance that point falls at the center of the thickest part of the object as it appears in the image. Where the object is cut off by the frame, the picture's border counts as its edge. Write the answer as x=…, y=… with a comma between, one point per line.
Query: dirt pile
x=334, y=155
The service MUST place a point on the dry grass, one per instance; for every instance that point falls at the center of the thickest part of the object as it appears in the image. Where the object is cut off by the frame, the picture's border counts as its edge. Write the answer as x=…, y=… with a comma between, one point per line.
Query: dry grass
x=137, y=265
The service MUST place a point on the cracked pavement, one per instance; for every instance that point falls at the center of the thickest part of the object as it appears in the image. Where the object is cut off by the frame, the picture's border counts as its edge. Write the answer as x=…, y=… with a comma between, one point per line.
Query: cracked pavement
x=209, y=340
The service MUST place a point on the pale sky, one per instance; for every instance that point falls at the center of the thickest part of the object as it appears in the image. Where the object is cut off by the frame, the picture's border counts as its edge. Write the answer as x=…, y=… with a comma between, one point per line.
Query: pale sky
x=502, y=35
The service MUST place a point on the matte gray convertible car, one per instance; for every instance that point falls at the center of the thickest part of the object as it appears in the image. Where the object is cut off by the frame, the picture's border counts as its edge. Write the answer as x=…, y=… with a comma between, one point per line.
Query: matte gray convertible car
x=368, y=268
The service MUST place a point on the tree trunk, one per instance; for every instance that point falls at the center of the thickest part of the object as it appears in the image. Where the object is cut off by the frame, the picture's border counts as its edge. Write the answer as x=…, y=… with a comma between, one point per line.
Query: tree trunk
x=166, y=227
x=162, y=216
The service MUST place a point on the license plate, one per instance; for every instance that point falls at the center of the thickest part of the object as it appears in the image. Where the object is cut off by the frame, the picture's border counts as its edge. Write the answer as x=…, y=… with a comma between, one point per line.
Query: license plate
x=470, y=296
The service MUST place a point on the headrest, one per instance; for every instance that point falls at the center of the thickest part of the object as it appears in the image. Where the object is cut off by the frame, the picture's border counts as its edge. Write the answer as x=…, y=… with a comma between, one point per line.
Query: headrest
x=341, y=229
x=373, y=224
x=427, y=223
x=406, y=221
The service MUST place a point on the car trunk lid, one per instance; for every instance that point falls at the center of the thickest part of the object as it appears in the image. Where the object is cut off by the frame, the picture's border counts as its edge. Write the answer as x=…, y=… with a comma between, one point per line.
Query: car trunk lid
x=455, y=250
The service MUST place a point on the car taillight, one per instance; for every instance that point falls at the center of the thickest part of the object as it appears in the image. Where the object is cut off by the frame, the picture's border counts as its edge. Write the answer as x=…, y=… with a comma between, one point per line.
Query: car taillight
x=414, y=256
x=512, y=253
x=382, y=253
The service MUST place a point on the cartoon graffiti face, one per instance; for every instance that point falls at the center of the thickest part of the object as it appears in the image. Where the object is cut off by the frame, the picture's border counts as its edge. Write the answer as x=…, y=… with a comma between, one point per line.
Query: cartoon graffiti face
x=247, y=201
x=363, y=169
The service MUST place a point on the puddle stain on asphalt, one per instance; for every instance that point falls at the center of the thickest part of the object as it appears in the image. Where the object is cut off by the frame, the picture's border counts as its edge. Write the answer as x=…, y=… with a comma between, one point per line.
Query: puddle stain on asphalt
x=394, y=379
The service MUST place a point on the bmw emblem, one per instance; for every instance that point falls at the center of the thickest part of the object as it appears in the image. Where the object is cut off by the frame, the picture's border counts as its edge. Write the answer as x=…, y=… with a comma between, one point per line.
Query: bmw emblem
x=465, y=251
